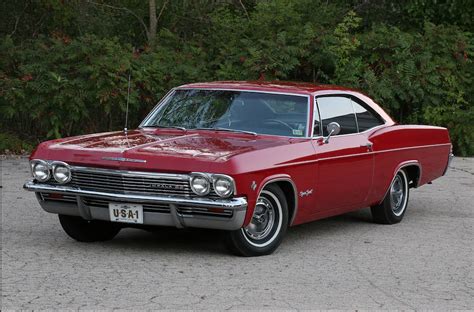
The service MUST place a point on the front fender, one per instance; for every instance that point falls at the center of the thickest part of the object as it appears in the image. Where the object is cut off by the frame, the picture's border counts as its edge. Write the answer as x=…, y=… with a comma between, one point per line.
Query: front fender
x=260, y=185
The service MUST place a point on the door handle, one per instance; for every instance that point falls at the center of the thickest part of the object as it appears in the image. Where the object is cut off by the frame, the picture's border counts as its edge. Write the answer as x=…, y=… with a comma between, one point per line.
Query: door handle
x=368, y=145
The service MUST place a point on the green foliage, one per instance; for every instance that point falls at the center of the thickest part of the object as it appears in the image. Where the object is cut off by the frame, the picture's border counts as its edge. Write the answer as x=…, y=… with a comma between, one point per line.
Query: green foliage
x=10, y=143
x=421, y=77
x=68, y=74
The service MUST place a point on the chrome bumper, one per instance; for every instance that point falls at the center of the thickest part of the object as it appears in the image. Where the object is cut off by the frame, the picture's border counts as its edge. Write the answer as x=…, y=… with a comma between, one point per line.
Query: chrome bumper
x=238, y=206
x=450, y=159
x=448, y=165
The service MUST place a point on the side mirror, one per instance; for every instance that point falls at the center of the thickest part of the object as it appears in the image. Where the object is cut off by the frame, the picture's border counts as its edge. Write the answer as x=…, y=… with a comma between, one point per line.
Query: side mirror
x=333, y=129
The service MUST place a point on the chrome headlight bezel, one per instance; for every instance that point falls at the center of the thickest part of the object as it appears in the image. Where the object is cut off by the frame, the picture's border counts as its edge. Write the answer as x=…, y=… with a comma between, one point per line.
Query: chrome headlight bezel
x=60, y=165
x=39, y=162
x=222, y=178
x=195, y=176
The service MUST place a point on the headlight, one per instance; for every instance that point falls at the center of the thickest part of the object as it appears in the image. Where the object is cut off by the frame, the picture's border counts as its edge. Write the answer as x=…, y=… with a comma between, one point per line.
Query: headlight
x=40, y=170
x=223, y=185
x=61, y=172
x=200, y=184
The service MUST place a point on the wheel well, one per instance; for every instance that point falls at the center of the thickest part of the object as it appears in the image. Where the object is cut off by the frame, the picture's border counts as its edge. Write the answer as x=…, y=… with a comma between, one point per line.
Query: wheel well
x=289, y=191
x=413, y=173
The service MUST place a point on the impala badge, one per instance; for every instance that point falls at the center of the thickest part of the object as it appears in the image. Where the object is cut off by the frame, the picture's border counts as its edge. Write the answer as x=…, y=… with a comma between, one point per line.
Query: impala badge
x=306, y=193
x=166, y=186
x=124, y=159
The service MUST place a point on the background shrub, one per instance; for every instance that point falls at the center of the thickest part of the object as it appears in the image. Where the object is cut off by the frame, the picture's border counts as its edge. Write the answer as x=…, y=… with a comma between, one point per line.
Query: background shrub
x=64, y=65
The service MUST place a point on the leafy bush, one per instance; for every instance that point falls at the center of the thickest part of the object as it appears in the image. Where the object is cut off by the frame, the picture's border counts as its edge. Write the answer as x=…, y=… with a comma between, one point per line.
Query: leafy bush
x=422, y=78
x=71, y=79
x=10, y=143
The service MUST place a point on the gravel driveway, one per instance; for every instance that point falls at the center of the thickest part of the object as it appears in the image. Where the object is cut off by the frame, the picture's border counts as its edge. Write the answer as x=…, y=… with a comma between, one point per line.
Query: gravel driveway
x=345, y=262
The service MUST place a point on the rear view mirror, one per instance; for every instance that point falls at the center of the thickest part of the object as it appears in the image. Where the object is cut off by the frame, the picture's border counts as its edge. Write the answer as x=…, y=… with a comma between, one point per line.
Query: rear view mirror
x=333, y=128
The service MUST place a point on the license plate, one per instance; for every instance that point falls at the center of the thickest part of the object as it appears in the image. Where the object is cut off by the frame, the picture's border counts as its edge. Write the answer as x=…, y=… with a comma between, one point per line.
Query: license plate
x=127, y=213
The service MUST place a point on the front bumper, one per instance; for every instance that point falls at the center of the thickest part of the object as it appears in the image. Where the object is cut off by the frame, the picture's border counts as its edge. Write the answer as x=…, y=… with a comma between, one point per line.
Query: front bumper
x=175, y=211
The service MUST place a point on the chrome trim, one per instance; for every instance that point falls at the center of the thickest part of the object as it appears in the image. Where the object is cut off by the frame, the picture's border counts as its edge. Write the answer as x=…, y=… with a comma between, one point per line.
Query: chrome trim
x=33, y=162
x=215, y=177
x=54, y=165
x=350, y=94
x=154, y=218
x=336, y=129
x=215, y=129
x=450, y=159
x=399, y=206
x=194, y=175
x=78, y=175
x=174, y=215
x=180, y=209
x=131, y=182
x=124, y=159
x=355, y=115
x=146, y=174
x=84, y=211
x=346, y=95
x=163, y=99
x=295, y=191
x=237, y=203
x=316, y=110
x=251, y=240
x=304, y=162
x=267, y=213
x=303, y=94
x=401, y=166
x=170, y=93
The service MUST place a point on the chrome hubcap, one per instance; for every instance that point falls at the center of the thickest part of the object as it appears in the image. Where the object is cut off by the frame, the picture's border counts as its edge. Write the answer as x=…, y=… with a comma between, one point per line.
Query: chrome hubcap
x=262, y=221
x=397, y=195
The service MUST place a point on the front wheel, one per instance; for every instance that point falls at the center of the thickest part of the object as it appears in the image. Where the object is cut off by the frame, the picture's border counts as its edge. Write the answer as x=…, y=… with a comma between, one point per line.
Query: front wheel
x=88, y=231
x=395, y=203
x=264, y=233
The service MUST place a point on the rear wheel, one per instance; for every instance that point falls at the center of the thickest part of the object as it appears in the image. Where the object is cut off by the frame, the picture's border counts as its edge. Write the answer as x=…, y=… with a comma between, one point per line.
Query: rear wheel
x=394, y=205
x=264, y=233
x=88, y=231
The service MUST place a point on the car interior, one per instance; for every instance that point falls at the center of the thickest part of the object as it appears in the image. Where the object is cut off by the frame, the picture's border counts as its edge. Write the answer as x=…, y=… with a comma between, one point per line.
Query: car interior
x=258, y=115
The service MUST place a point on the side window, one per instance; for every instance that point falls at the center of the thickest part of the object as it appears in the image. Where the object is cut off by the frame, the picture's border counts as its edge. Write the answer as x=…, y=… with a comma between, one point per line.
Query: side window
x=337, y=109
x=365, y=119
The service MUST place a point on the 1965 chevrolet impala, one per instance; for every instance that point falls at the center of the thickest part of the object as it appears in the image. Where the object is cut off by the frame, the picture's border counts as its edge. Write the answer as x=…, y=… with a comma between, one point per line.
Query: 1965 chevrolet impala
x=250, y=158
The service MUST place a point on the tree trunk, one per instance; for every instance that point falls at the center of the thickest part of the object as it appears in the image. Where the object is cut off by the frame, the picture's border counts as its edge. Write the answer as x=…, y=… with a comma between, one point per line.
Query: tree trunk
x=153, y=21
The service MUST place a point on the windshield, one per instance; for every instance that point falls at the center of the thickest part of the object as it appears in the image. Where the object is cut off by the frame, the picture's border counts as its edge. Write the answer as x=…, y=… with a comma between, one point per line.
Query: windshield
x=262, y=113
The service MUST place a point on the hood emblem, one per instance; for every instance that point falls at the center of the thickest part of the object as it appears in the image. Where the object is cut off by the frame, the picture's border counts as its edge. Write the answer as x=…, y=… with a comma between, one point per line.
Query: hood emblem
x=124, y=159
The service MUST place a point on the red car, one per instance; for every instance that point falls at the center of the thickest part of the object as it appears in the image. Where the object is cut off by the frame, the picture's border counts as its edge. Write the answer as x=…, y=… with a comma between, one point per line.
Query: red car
x=250, y=158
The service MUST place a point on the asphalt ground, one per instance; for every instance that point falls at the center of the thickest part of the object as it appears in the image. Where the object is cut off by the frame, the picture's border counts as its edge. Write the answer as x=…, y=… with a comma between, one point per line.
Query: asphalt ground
x=345, y=262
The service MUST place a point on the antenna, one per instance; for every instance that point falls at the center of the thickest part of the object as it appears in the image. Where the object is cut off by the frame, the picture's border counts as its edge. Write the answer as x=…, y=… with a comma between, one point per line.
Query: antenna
x=125, y=129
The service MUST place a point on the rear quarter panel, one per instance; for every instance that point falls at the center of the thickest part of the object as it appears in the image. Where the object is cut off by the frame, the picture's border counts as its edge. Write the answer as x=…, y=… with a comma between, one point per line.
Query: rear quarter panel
x=397, y=145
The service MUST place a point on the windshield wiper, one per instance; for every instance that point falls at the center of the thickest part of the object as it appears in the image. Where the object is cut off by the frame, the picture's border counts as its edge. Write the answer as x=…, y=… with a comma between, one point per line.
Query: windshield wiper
x=226, y=129
x=168, y=127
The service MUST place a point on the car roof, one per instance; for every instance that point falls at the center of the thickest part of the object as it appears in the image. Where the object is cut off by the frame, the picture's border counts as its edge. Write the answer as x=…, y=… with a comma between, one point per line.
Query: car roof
x=268, y=86
x=302, y=88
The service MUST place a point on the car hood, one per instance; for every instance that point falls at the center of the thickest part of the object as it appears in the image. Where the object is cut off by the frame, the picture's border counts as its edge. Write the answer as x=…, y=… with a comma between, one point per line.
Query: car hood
x=156, y=149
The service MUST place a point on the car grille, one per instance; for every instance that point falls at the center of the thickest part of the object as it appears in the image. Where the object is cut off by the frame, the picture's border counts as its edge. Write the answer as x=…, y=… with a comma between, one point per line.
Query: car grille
x=202, y=211
x=149, y=207
x=131, y=182
x=185, y=210
x=59, y=197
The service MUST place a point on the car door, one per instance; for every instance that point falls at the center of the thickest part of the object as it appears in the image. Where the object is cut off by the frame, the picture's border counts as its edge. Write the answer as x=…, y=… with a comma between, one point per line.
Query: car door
x=346, y=161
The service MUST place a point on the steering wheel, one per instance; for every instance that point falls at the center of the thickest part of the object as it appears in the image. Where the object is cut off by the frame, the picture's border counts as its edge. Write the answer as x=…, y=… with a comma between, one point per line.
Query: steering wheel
x=278, y=122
